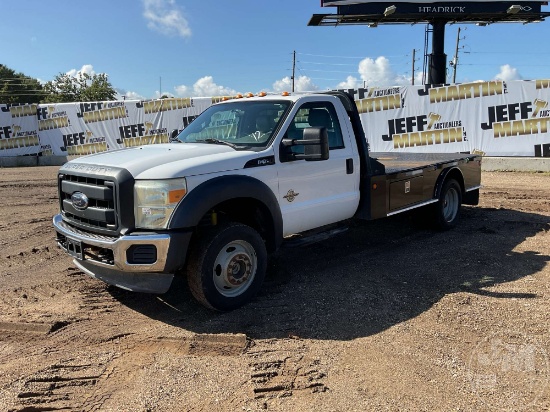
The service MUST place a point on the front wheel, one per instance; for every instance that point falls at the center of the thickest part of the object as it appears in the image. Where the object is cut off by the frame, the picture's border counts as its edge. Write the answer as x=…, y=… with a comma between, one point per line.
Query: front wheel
x=447, y=209
x=227, y=266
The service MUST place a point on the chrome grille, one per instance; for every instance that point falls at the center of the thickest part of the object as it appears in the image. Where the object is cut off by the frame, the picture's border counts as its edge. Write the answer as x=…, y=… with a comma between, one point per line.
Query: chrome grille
x=101, y=211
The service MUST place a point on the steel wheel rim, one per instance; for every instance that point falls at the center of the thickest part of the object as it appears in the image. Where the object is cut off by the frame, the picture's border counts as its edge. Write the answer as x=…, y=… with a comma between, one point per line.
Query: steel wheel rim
x=450, y=204
x=235, y=268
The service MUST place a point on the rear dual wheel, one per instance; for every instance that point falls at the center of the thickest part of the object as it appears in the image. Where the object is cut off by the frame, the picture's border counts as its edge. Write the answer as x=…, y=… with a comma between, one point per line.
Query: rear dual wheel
x=227, y=266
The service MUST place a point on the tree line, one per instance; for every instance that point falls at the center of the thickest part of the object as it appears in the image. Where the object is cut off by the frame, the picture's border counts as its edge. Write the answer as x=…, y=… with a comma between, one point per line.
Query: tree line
x=19, y=88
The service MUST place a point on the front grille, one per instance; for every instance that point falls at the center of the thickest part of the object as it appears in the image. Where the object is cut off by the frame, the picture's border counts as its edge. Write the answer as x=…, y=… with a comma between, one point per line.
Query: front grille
x=108, y=205
x=101, y=210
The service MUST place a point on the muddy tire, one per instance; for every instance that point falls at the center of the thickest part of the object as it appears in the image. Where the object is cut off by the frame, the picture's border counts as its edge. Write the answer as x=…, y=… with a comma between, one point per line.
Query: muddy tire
x=226, y=266
x=447, y=209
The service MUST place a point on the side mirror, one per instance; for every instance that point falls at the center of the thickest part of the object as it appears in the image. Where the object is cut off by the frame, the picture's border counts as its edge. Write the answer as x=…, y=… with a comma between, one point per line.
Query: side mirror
x=315, y=144
x=174, y=135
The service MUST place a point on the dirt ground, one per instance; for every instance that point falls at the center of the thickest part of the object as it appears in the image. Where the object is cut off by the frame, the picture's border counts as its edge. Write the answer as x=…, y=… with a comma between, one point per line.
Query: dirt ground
x=389, y=316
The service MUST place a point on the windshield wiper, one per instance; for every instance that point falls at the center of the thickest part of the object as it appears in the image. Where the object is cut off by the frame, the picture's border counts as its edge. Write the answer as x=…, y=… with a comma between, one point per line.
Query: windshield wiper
x=218, y=141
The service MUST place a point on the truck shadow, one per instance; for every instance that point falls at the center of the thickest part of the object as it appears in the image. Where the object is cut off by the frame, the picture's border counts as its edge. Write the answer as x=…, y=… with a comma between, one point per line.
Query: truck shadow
x=373, y=277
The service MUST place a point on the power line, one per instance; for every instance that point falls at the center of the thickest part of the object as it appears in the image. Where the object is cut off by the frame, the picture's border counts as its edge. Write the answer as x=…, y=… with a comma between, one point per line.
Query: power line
x=500, y=64
x=330, y=64
x=16, y=84
x=347, y=57
x=16, y=78
x=503, y=52
x=324, y=78
x=323, y=55
x=328, y=71
x=22, y=90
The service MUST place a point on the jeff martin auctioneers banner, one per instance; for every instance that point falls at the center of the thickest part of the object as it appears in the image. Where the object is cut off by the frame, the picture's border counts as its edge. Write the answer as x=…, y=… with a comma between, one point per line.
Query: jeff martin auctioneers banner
x=492, y=118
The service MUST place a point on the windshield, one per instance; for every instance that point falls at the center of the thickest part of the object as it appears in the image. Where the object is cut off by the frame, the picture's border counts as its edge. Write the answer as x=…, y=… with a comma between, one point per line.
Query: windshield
x=244, y=124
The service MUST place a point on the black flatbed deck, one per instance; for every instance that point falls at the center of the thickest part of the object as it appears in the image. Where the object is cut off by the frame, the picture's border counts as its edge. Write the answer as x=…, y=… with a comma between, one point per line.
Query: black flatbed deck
x=395, y=162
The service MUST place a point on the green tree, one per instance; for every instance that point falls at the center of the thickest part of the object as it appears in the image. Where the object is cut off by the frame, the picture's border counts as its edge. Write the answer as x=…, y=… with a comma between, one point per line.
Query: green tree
x=60, y=90
x=96, y=88
x=81, y=88
x=18, y=88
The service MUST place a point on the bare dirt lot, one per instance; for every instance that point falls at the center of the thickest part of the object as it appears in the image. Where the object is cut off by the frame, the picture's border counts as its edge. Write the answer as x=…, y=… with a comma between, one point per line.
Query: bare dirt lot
x=388, y=316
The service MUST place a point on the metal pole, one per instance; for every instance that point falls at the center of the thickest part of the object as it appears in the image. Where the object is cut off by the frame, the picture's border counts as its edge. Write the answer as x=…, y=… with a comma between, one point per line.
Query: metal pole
x=412, y=79
x=455, y=60
x=425, y=62
x=293, y=68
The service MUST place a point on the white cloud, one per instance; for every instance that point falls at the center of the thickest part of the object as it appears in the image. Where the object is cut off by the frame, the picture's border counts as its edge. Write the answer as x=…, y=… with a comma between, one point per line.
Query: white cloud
x=508, y=73
x=377, y=73
x=350, y=83
x=86, y=69
x=182, y=91
x=204, y=87
x=301, y=84
x=122, y=94
x=164, y=16
x=282, y=85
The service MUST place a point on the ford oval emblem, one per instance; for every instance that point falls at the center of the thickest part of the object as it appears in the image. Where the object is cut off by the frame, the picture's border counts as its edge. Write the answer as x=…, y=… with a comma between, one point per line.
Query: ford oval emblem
x=80, y=200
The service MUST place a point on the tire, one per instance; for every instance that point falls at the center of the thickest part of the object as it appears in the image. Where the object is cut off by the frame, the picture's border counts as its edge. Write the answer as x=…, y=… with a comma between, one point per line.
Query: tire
x=227, y=266
x=447, y=209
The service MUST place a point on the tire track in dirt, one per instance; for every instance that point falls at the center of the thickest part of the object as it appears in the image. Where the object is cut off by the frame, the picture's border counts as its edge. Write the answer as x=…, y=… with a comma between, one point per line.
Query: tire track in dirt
x=136, y=354
x=92, y=377
x=277, y=373
x=59, y=386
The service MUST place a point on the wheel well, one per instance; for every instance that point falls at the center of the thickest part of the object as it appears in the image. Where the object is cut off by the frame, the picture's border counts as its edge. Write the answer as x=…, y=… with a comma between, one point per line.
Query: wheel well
x=453, y=173
x=247, y=211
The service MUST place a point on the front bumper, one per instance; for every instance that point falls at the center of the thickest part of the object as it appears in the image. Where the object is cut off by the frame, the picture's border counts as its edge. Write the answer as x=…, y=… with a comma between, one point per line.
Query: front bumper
x=140, y=262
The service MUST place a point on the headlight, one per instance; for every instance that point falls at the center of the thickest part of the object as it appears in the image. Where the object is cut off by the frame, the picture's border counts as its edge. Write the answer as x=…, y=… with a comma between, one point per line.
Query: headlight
x=155, y=200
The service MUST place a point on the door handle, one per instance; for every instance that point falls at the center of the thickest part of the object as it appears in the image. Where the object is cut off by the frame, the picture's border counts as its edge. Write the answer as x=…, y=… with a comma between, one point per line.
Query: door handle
x=349, y=166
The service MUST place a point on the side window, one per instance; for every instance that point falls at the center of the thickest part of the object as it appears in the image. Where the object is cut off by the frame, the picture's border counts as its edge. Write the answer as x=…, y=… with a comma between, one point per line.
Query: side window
x=317, y=114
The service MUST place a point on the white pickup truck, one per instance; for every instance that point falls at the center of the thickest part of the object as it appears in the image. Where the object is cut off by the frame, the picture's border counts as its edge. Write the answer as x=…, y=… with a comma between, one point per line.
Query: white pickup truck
x=244, y=176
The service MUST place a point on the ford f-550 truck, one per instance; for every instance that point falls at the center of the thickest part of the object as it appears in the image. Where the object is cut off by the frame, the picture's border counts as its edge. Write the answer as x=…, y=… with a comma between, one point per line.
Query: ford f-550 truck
x=242, y=177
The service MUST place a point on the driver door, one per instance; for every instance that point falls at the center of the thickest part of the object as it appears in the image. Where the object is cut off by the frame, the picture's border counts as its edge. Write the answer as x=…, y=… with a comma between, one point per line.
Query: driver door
x=316, y=193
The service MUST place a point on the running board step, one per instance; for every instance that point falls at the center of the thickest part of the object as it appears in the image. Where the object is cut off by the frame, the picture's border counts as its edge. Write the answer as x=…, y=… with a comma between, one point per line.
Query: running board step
x=309, y=239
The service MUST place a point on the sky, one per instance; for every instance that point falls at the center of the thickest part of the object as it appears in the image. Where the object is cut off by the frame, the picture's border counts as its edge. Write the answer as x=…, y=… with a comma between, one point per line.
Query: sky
x=186, y=48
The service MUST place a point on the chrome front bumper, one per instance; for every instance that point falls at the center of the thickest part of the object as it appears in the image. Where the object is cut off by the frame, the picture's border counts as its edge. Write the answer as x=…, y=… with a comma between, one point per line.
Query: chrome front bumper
x=106, y=257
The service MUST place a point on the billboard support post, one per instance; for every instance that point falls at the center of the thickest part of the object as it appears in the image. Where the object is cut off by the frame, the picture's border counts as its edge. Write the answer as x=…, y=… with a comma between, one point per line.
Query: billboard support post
x=438, y=59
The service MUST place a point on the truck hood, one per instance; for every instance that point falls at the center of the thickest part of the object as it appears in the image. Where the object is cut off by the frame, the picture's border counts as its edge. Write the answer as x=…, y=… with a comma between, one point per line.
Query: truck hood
x=165, y=161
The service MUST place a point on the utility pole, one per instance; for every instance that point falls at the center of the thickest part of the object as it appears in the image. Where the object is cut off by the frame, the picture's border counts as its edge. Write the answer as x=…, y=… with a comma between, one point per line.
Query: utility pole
x=414, y=55
x=160, y=86
x=455, y=60
x=293, y=68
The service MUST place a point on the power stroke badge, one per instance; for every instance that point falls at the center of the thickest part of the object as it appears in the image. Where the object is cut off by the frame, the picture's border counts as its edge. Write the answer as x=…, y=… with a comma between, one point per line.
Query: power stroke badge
x=290, y=195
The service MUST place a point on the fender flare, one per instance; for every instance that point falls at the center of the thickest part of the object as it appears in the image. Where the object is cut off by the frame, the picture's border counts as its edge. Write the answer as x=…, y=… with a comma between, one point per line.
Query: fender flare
x=207, y=195
x=443, y=177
